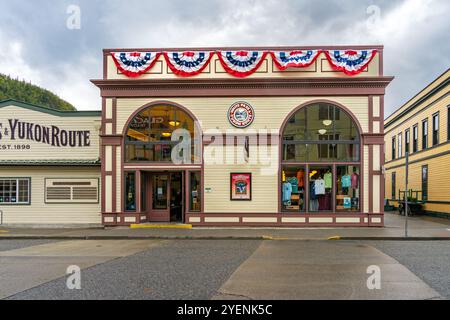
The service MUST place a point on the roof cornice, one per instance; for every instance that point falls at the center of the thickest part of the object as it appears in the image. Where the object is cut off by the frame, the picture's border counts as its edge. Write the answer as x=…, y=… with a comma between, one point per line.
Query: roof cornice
x=243, y=87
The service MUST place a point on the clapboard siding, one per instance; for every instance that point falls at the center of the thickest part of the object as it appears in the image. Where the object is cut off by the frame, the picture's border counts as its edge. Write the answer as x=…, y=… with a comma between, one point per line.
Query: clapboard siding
x=38, y=212
x=270, y=112
x=264, y=185
x=41, y=151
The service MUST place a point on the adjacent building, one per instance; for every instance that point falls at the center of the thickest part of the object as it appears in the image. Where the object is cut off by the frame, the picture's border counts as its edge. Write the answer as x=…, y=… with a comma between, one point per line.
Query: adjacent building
x=421, y=127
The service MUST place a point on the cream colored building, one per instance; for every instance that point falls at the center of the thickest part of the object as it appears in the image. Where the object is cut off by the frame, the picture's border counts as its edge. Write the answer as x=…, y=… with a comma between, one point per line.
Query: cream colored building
x=421, y=127
x=312, y=156
x=49, y=166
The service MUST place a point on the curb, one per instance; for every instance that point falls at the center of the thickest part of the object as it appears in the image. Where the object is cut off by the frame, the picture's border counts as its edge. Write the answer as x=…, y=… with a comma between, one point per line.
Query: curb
x=265, y=238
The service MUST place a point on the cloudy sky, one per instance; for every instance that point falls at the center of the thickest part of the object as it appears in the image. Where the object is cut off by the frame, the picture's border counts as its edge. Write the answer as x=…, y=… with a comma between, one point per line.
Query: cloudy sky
x=36, y=45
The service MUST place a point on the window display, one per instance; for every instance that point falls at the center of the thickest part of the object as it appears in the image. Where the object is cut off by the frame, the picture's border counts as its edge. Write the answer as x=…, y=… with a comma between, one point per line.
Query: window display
x=347, y=188
x=320, y=188
x=293, y=189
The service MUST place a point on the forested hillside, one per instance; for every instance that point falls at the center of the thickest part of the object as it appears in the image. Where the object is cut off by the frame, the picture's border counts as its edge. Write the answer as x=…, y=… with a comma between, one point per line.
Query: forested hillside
x=26, y=92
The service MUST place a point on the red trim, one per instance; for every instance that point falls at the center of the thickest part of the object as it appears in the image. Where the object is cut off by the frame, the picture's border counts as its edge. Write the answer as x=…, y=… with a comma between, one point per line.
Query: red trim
x=135, y=74
x=293, y=64
x=350, y=73
x=187, y=74
x=238, y=73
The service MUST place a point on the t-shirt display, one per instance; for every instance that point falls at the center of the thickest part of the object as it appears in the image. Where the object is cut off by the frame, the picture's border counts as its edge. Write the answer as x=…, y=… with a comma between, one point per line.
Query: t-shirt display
x=319, y=186
x=287, y=192
x=294, y=183
x=328, y=177
x=355, y=180
x=346, y=181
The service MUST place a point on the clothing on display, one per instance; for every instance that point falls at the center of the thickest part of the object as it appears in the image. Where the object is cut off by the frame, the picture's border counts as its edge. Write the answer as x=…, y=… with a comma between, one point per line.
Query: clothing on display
x=294, y=183
x=300, y=175
x=346, y=181
x=355, y=180
x=319, y=186
x=328, y=177
x=287, y=192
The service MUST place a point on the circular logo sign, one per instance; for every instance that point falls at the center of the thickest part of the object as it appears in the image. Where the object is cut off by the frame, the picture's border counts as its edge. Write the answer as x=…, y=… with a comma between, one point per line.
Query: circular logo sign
x=241, y=115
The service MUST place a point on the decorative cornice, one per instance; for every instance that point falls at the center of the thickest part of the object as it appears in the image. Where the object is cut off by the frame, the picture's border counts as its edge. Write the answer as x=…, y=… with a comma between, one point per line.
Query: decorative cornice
x=240, y=87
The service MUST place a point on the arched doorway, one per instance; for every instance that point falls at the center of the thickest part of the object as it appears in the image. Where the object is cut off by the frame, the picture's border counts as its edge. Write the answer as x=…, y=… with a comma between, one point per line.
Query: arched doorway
x=162, y=188
x=321, y=160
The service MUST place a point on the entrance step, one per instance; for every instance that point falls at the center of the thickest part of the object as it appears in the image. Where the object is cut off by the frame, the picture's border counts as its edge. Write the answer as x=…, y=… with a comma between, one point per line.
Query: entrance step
x=161, y=226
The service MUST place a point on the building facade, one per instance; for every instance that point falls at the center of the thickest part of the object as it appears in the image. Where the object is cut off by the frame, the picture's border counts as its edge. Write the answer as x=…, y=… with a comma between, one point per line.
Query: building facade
x=275, y=136
x=49, y=166
x=421, y=127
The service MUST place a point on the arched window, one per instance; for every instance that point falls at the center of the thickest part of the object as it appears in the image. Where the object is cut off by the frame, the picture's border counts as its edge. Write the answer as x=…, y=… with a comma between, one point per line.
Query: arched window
x=321, y=158
x=149, y=134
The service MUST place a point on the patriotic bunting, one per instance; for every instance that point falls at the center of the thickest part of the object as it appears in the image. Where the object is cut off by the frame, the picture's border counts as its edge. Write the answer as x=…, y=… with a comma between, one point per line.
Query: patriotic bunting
x=188, y=63
x=134, y=64
x=295, y=59
x=351, y=62
x=241, y=63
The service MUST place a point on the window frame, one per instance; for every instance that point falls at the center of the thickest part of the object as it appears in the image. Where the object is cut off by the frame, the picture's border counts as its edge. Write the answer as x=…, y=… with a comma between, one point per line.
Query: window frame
x=407, y=141
x=67, y=180
x=399, y=145
x=425, y=134
x=424, y=183
x=415, y=138
x=393, y=185
x=394, y=148
x=27, y=203
x=435, y=129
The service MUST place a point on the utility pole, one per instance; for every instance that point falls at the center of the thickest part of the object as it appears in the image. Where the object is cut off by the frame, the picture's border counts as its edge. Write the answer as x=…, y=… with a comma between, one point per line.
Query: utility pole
x=406, y=193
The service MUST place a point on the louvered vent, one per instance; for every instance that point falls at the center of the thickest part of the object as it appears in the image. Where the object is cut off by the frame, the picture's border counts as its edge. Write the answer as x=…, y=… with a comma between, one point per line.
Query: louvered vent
x=75, y=190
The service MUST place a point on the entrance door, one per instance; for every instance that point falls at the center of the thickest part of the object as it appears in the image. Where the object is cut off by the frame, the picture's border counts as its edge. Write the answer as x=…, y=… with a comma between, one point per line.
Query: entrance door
x=159, y=204
x=166, y=197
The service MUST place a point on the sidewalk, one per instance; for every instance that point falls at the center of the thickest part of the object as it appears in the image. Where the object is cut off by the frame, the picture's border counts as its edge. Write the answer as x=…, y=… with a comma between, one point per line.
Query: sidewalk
x=420, y=228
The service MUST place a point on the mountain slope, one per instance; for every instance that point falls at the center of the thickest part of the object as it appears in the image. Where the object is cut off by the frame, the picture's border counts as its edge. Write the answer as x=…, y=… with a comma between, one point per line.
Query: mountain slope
x=26, y=92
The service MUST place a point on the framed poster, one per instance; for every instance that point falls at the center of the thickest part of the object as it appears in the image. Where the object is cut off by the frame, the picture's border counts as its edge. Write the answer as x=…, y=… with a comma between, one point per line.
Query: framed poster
x=241, y=186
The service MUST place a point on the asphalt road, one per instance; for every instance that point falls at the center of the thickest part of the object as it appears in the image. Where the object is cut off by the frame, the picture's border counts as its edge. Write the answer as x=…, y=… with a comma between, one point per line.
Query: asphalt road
x=224, y=269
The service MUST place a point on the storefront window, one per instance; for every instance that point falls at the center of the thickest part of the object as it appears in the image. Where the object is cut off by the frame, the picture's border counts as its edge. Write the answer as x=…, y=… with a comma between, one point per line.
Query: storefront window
x=195, y=191
x=317, y=140
x=320, y=188
x=293, y=194
x=347, y=188
x=149, y=135
x=130, y=189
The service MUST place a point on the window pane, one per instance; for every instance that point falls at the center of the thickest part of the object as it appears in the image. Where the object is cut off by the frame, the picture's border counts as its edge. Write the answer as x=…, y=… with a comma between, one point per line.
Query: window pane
x=195, y=192
x=320, y=188
x=130, y=189
x=293, y=189
x=347, y=188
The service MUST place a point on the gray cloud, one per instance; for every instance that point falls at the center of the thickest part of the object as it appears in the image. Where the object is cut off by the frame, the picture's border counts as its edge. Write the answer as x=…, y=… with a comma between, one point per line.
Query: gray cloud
x=36, y=45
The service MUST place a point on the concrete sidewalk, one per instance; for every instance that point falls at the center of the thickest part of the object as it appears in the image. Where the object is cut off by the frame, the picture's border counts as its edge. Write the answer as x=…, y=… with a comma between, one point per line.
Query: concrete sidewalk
x=420, y=228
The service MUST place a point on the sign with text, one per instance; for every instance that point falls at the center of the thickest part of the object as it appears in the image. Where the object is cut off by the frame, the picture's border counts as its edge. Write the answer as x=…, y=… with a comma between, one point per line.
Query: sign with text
x=16, y=135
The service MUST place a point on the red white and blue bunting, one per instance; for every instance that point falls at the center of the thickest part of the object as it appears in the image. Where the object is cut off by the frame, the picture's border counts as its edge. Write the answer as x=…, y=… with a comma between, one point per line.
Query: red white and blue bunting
x=295, y=59
x=134, y=64
x=188, y=63
x=242, y=63
x=351, y=62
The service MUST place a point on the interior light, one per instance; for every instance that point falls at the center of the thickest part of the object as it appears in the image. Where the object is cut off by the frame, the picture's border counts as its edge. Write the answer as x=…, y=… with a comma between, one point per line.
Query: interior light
x=174, y=123
x=322, y=131
x=166, y=134
x=327, y=123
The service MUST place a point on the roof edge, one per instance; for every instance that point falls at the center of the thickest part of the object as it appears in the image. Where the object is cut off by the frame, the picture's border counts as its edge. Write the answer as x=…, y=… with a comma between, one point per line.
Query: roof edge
x=30, y=106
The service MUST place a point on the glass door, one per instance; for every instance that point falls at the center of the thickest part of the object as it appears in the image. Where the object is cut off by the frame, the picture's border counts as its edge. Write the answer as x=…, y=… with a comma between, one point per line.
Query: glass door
x=160, y=188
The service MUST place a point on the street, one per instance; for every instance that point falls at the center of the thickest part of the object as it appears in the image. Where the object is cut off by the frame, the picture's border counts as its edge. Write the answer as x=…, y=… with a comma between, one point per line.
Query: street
x=224, y=269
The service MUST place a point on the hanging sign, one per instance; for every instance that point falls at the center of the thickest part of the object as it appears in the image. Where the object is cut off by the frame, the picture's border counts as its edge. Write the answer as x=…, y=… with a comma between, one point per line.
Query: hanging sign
x=241, y=115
